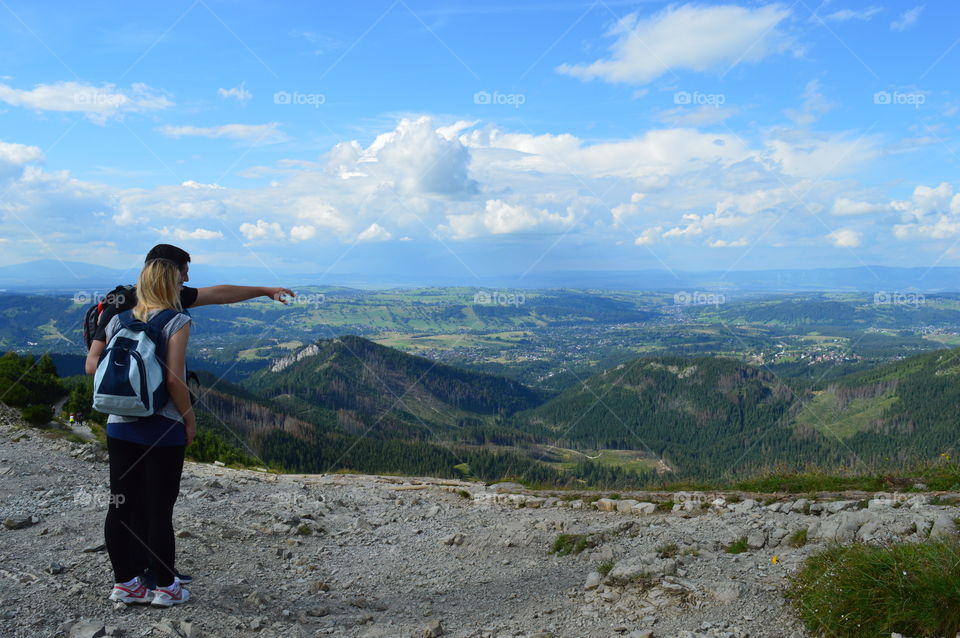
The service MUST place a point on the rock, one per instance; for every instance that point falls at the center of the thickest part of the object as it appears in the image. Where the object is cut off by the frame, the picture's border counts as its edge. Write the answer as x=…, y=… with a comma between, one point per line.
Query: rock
x=868, y=531
x=433, y=630
x=943, y=527
x=55, y=568
x=800, y=505
x=454, y=539
x=593, y=581
x=923, y=526
x=318, y=586
x=20, y=522
x=639, y=568
x=507, y=488
x=840, y=527
x=744, y=506
x=756, y=540
x=625, y=505
x=641, y=633
x=606, y=505
x=175, y=628
x=84, y=629
x=835, y=507
x=541, y=634
x=644, y=508
x=92, y=549
x=725, y=591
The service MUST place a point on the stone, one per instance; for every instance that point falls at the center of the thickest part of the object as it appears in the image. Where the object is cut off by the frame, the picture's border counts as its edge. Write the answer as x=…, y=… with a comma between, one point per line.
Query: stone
x=835, y=507
x=593, y=581
x=725, y=591
x=20, y=521
x=744, y=506
x=606, y=505
x=943, y=527
x=625, y=505
x=55, y=568
x=644, y=508
x=92, y=549
x=756, y=540
x=84, y=629
x=433, y=630
x=799, y=505
x=638, y=568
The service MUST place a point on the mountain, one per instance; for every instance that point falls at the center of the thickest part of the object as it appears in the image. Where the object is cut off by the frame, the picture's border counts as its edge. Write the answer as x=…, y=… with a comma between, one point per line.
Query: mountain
x=363, y=387
x=708, y=417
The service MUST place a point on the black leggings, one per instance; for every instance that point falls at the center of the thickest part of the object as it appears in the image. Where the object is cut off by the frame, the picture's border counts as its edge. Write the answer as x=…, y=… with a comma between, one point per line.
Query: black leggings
x=144, y=484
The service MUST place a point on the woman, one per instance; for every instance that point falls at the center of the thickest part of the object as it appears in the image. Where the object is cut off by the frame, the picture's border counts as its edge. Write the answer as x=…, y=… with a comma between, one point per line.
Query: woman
x=146, y=454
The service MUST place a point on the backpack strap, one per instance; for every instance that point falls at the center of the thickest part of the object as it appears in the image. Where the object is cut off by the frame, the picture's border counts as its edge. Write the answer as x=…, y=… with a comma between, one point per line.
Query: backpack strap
x=154, y=328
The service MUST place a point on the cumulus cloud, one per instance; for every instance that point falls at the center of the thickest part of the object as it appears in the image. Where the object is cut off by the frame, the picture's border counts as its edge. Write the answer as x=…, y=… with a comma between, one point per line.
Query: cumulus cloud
x=375, y=232
x=696, y=38
x=261, y=231
x=845, y=238
x=192, y=184
x=302, y=233
x=253, y=133
x=500, y=218
x=930, y=213
x=238, y=93
x=98, y=103
x=723, y=243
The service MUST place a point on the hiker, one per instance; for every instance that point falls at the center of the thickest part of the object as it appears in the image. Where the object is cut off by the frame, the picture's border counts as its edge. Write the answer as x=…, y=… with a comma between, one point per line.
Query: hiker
x=146, y=453
x=139, y=525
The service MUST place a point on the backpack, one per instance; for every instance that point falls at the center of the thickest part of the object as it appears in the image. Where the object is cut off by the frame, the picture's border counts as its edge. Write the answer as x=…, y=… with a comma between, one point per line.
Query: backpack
x=130, y=377
x=122, y=298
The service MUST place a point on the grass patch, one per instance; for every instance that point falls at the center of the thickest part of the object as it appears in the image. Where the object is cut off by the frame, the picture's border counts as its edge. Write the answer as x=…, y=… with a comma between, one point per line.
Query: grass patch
x=798, y=538
x=860, y=590
x=463, y=494
x=605, y=567
x=738, y=546
x=668, y=551
x=566, y=544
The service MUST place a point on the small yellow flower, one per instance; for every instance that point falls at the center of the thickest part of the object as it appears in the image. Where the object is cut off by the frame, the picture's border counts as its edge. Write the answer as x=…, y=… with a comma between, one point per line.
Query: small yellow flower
x=775, y=559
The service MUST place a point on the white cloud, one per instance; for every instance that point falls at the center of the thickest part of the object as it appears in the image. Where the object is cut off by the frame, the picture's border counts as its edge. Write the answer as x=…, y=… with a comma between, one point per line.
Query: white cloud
x=500, y=218
x=844, y=15
x=199, y=233
x=261, y=231
x=375, y=232
x=302, y=233
x=648, y=236
x=697, y=38
x=845, y=206
x=253, y=133
x=97, y=103
x=907, y=19
x=18, y=154
x=238, y=93
x=930, y=213
x=723, y=243
x=814, y=105
x=820, y=156
x=845, y=238
x=192, y=184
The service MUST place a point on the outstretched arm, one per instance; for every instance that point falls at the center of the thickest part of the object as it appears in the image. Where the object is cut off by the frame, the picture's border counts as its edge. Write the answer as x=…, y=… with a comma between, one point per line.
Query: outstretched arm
x=225, y=294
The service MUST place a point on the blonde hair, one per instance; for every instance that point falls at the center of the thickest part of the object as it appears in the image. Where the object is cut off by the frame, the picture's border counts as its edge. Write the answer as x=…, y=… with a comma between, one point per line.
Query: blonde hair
x=158, y=288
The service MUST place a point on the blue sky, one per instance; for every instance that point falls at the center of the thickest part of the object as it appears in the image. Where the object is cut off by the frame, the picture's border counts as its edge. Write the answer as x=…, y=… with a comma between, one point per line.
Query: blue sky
x=481, y=138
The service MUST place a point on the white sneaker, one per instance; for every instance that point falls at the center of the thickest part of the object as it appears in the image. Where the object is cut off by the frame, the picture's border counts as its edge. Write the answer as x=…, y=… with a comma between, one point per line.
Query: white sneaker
x=175, y=594
x=131, y=594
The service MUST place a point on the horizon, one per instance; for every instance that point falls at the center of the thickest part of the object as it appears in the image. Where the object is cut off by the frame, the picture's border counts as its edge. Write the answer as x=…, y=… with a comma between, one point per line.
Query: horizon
x=470, y=139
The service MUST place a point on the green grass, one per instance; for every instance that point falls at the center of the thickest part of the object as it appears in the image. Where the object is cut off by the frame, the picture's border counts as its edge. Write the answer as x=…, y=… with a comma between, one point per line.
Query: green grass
x=798, y=538
x=865, y=591
x=605, y=567
x=827, y=415
x=668, y=551
x=566, y=544
x=738, y=546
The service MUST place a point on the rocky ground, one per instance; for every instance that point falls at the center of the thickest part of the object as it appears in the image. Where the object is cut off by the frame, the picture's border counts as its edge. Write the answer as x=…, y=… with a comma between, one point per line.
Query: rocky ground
x=373, y=556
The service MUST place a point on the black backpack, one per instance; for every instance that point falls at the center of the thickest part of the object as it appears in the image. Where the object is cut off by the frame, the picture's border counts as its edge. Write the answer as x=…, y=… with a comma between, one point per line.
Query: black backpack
x=120, y=298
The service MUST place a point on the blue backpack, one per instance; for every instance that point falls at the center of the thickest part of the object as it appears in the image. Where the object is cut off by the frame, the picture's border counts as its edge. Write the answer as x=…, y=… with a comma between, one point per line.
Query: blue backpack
x=130, y=377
